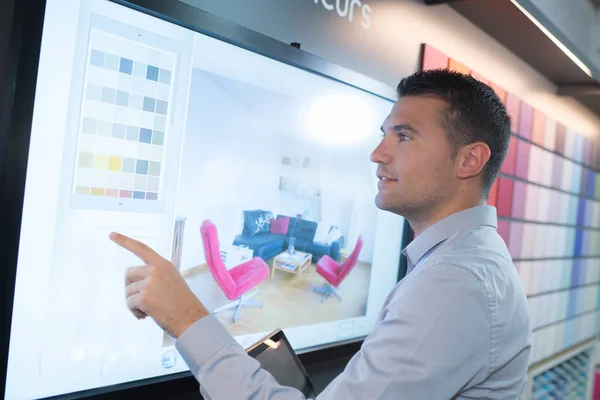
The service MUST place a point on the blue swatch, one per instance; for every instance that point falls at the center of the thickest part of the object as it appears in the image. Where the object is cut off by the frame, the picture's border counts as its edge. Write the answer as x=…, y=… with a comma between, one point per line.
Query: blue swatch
x=145, y=135
x=141, y=167
x=97, y=58
x=161, y=107
x=149, y=103
x=128, y=165
x=126, y=66
x=152, y=73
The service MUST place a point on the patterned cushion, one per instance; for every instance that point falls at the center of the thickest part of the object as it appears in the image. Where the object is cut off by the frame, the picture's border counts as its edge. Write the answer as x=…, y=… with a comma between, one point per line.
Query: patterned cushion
x=257, y=221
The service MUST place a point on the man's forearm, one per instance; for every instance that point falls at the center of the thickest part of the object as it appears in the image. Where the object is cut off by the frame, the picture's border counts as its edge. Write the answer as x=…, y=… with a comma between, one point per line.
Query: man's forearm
x=224, y=369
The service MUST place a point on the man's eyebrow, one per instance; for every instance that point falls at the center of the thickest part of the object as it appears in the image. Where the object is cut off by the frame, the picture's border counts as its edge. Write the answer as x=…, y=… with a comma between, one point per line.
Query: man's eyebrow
x=400, y=128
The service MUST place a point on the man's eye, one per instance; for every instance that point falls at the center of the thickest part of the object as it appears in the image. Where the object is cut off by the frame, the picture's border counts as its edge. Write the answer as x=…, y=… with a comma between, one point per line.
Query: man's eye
x=403, y=138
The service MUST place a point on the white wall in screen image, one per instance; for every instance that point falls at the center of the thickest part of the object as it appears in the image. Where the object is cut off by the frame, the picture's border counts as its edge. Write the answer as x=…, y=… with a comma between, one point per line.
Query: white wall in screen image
x=348, y=8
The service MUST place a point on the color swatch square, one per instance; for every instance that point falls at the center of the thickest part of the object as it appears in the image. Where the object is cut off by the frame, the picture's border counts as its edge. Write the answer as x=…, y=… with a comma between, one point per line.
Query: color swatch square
x=125, y=194
x=152, y=184
x=513, y=106
x=126, y=66
x=132, y=133
x=118, y=131
x=151, y=196
x=561, y=133
x=122, y=98
x=525, y=120
x=158, y=138
x=108, y=95
x=89, y=125
x=161, y=107
x=100, y=161
x=86, y=160
x=152, y=73
x=139, y=195
x=140, y=182
x=139, y=69
x=557, y=172
x=82, y=190
x=515, y=241
x=503, y=230
x=505, y=194
x=141, y=168
x=537, y=131
x=104, y=128
x=522, y=159
x=508, y=166
x=149, y=104
x=111, y=62
x=454, y=65
x=519, y=200
x=160, y=122
x=128, y=165
x=145, y=135
x=93, y=92
x=97, y=191
x=136, y=101
x=154, y=168
x=97, y=58
x=127, y=181
x=164, y=76
x=550, y=127
x=115, y=163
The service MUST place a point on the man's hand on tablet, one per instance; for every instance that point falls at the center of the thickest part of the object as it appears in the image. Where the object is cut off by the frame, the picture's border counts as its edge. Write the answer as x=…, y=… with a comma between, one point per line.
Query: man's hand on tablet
x=158, y=290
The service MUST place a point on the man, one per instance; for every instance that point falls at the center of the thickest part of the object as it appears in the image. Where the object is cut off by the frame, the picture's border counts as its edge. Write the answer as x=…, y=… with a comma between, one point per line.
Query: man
x=457, y=326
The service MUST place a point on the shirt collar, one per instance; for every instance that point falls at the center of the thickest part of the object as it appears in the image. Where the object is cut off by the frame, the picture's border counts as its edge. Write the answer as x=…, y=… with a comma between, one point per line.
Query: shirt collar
x=442, y=230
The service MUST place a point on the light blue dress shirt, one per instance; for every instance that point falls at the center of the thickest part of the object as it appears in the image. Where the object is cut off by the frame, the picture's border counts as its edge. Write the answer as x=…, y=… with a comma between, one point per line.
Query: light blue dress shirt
x=456, y=327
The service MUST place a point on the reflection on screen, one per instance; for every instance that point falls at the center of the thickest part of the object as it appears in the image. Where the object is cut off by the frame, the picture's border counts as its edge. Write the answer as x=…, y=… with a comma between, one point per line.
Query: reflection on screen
x=279, y=361
x=146, y=128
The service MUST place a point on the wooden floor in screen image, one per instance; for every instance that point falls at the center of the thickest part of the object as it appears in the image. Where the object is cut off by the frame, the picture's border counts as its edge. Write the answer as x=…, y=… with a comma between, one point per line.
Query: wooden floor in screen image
x=287, y=301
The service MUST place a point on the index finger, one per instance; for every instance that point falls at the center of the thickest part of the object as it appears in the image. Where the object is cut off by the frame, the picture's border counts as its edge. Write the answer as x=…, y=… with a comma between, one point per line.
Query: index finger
x=145, y=253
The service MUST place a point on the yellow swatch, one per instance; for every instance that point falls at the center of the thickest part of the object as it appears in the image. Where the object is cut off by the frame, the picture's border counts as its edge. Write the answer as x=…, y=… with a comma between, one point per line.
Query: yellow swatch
x=100, y=161
x=97, y=191
x=114, y=163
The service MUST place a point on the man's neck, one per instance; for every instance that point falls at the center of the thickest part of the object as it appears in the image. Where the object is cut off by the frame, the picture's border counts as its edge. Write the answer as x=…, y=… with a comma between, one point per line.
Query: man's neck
x=420, y=225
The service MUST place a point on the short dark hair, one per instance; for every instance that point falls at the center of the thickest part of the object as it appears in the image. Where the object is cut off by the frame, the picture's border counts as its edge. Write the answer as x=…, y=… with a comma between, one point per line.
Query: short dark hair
x=474, y=113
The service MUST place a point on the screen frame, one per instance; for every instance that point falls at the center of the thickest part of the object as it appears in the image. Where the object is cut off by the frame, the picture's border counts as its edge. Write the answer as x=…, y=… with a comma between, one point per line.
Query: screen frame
x=18, y=77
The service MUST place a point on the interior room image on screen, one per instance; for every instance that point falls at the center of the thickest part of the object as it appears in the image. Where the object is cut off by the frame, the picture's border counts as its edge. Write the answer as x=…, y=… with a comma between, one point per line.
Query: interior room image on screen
x=252, y=176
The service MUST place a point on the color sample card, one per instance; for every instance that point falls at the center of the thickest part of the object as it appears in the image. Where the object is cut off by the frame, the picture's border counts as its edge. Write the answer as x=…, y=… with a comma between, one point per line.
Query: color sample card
x=433, y=58
x=124, y=119
x=525, y=121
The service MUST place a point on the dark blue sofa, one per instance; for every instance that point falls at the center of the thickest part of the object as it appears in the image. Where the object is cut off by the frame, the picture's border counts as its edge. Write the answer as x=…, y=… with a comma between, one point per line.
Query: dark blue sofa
x=268, y=245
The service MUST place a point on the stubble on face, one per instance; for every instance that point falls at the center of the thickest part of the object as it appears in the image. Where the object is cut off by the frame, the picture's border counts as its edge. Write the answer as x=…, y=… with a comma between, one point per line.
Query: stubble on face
x=415, y=163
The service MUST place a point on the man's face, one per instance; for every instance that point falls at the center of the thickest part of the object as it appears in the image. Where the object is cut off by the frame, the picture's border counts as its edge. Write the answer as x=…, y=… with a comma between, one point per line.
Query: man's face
x=415, y=166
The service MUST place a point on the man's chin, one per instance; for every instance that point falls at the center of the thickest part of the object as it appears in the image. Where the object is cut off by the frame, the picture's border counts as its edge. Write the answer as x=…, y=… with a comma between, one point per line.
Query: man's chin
x=386, y=205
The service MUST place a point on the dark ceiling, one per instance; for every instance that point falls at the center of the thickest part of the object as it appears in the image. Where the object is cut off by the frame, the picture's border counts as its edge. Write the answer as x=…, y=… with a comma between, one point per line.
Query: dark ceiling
x=502, y=20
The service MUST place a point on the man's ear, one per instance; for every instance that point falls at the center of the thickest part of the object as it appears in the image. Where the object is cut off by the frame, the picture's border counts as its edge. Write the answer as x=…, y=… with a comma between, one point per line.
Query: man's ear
x=472, y=158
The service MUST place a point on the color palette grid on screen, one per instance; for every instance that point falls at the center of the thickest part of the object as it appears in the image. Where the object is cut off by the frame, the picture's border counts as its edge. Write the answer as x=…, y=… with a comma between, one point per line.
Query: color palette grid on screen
x=548, y=202
x=124, y=119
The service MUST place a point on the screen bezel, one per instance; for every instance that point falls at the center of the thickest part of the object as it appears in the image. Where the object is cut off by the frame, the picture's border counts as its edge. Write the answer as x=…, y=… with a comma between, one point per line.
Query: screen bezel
x=18, y=85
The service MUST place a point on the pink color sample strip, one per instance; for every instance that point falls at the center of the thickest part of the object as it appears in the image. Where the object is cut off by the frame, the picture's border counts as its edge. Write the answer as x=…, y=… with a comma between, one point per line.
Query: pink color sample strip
x=525, y=121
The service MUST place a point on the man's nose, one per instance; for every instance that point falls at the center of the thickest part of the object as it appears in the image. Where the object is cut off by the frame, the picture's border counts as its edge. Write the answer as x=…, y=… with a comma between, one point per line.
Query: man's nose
x=380, y=154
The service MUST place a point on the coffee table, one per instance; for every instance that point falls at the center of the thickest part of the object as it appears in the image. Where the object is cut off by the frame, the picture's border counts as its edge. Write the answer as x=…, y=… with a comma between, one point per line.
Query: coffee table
x=297, y=263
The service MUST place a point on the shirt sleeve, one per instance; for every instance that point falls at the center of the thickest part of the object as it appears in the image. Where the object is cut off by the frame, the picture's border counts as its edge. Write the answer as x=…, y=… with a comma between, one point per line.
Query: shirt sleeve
x=432, y=341
x=223, y=368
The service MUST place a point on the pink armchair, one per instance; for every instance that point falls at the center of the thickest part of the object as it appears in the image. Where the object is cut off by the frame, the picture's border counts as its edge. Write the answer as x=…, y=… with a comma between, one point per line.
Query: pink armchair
x=237, y=281
x=335, y=273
